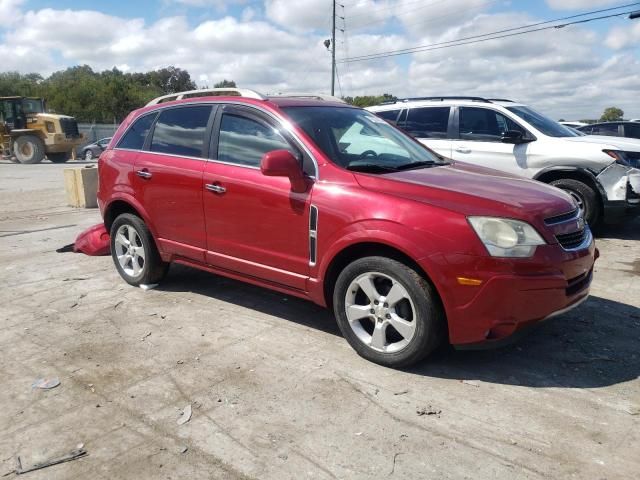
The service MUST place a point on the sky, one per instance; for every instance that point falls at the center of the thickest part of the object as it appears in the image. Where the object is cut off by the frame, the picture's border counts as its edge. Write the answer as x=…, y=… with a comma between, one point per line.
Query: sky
x=277, y=46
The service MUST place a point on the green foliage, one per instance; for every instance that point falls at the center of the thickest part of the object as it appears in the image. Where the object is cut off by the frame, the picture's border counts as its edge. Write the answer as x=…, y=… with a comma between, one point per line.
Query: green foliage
x=370, y=100
x=96, y=96
x=225, y=84
x=612, y=114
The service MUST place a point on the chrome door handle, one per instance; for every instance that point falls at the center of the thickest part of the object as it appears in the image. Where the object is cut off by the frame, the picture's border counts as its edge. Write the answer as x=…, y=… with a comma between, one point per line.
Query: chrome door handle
x=215, y=188
x=463, y=150
x=144, y=174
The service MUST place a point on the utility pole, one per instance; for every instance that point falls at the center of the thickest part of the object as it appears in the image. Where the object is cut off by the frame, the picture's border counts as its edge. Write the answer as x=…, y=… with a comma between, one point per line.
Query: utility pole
x=333, y=50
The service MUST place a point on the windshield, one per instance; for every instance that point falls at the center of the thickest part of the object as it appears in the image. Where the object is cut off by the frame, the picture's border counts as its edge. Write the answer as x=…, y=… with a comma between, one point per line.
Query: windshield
x=543, y=123
x=358, y=140
x=32, y=105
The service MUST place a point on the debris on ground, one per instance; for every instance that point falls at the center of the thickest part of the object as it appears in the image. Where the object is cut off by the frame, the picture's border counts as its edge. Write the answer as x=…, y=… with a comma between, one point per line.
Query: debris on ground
x=473, y=383
x=401, y=392
x=148, y=334
x=72, y=455
x=184, y=449
x=94, y=241
x=149, y=286
x=420, y=411
x=46, y=383
x=185, y=415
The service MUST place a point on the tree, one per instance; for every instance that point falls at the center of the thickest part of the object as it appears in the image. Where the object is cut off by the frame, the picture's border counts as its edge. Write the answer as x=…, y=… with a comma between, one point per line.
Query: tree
x=225, y=84
x=612, y=114
x=370, y=100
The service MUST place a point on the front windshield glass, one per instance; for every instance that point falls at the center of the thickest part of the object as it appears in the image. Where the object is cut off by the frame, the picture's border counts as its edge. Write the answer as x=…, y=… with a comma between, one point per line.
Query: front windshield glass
x=543, y=123
x=32, y=105
x=358, y=140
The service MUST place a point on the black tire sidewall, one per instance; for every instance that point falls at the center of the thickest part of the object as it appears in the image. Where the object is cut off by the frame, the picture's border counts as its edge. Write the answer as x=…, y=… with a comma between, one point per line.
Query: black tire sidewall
x=152, y=259
x=589, y=198
x=428, y=311
x=38, y=149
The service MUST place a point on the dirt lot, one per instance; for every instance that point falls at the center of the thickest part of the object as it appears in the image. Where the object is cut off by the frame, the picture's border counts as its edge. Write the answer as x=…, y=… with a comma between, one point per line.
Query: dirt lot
x=276, y=392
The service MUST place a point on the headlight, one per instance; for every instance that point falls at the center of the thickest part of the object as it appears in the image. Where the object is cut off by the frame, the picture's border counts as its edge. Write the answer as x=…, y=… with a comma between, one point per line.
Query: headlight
x=504, y=237
x=51, y=128
x=628, y=159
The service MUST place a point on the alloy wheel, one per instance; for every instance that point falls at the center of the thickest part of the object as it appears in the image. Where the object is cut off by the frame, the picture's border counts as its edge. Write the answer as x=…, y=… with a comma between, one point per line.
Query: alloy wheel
x=380, y=312
x=130, y=251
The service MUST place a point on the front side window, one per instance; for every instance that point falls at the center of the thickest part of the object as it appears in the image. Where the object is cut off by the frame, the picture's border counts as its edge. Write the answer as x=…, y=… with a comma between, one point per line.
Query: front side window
x=181, y=131
x=356, y=139
x=137, y=133
x=632, y=131
x=428, y=122
x=244, y=141
x=484, y=124
x=542, y=123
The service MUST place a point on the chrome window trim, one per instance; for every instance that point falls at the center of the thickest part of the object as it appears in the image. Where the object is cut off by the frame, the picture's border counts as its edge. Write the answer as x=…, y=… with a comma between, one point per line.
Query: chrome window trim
x=313, y=235
x=278, y=120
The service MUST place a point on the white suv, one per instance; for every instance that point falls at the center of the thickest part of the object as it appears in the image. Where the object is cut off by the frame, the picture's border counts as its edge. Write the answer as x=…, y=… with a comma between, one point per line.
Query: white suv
x=601, y=173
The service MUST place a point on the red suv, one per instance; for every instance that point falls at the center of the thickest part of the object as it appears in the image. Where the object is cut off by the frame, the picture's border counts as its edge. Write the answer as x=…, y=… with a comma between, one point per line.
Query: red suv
x=324, y=201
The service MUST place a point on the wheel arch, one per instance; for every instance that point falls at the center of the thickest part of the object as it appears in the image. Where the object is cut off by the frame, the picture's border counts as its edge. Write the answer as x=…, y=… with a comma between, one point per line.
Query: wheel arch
x=361, y=249
x=583, y=175
x=125, y=204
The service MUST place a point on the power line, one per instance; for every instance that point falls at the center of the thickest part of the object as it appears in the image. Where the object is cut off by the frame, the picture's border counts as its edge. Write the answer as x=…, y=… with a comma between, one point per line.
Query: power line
x=493, y=35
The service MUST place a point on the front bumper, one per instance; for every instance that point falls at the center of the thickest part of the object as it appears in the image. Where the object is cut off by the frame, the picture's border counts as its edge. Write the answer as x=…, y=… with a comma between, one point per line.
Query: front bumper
x=515, y=294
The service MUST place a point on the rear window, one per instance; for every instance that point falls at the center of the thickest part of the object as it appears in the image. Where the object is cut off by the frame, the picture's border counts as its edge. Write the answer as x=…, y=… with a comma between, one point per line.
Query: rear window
x=427, y=122
x=137, y=133
x=181, y=131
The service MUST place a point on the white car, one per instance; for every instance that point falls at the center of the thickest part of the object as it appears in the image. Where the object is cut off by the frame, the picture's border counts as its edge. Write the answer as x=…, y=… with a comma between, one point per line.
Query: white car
x=602, y=174
x=574, y=124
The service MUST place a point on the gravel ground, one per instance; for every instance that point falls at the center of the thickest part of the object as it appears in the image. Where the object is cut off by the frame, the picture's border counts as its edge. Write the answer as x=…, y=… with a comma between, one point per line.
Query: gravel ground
x=275, y=391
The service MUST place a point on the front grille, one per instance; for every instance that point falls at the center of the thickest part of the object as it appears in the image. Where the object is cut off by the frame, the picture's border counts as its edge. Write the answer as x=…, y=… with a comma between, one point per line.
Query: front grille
x=561, y=218
x=69, y=127
x=572, y=240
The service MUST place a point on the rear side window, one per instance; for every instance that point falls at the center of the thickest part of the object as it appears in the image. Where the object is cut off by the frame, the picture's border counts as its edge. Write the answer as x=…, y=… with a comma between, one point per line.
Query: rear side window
x=244, y=141
x=181, y=131
x=137, y=133
x=390, y=116
x=427, y=122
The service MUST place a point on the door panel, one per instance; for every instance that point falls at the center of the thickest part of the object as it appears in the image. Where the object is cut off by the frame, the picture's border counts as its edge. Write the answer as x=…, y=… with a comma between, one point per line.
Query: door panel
x=480, y=130
x=255, y=224
x=168, y=177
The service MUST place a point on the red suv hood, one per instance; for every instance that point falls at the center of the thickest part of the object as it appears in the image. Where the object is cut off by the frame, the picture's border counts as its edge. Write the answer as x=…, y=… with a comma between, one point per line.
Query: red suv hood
x=473, y=190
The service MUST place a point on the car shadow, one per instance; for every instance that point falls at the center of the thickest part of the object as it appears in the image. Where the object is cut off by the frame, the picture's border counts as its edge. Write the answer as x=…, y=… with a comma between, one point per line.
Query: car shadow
x=595, y=345
x=287, y=307
x=627, y=230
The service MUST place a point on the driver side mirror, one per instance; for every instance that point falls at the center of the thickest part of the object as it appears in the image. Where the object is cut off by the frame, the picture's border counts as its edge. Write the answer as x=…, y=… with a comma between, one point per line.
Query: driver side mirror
x=513, y=136
x=282, y=163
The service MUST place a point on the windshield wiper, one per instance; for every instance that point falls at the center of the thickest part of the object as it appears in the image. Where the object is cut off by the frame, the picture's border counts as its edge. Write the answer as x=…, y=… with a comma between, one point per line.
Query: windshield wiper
x=414, y=165
x=371, y=167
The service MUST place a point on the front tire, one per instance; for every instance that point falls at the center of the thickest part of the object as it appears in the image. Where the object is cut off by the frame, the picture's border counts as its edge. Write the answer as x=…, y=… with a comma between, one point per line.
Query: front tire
x=134, y=251
x=586, y=198
x=59, y=157
x=387, y=312
x=28, y=149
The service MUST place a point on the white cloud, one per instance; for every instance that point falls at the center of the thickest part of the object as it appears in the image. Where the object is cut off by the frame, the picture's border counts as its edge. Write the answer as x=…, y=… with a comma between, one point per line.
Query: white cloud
x=580, y=4
x=623, y=37
x=10, y=12
x=566, y=72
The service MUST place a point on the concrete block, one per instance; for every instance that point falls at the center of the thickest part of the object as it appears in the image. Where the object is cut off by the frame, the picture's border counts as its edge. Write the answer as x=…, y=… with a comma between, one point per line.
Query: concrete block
x=81, y=187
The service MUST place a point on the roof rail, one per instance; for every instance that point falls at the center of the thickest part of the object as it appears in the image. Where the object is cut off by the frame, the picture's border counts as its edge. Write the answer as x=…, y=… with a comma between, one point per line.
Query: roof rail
x=313, y=96
x=208, y=92
x=501, y=100
x=453, y=97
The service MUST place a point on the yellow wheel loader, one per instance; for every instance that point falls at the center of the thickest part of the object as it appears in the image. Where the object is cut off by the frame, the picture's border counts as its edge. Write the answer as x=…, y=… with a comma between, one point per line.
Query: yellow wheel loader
x=28, y=133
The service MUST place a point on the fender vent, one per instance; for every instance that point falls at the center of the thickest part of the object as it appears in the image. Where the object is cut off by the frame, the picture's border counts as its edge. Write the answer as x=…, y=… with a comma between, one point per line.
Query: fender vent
x=313, y=234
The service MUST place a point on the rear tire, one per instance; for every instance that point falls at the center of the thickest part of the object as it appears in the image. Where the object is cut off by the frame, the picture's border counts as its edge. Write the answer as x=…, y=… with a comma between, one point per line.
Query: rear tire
x=88, y=155
x=28, y=149
x=586, y=197
x=59, y=157
x=134, y=251
x=388, y=312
